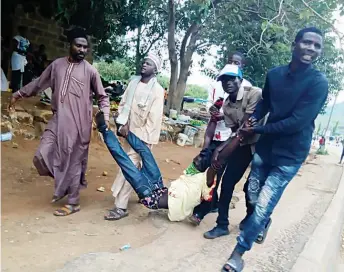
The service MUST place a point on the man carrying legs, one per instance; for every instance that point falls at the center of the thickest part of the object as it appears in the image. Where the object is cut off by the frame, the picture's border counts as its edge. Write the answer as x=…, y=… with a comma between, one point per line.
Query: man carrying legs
x=140, y=111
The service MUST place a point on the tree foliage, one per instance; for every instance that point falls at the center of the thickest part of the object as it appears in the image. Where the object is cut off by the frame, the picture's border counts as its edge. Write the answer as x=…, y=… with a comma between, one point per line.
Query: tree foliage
x=264, y=31
x=115, y=70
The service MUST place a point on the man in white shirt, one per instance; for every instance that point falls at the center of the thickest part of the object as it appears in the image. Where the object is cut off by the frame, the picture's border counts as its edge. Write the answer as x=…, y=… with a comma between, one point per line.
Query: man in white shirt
x=140, y=112
x=222, y=133
x=18, y=60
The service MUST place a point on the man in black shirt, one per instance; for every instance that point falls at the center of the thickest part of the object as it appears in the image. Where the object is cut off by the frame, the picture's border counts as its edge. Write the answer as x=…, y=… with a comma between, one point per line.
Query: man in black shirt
x=293, y=94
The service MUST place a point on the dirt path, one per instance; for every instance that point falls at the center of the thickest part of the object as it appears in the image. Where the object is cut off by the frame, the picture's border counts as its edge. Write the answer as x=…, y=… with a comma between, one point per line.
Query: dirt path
x=34, y=240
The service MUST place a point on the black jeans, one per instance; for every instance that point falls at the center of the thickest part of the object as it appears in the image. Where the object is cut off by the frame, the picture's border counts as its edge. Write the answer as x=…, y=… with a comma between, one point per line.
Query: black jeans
x=205, y=206
x=237, y=164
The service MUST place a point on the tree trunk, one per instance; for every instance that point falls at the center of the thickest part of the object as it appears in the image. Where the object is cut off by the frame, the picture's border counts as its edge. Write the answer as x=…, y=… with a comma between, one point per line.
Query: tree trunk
x=172, y=55
x=138, y=52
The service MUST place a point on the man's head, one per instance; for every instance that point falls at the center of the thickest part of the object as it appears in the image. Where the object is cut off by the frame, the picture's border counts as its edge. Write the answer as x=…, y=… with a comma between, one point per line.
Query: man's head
x=78, y=44
x=41, y=48
x=231, y=78
x=151, y=66
x=308, y=45
x=237, y=58
x=22, y=30
x=203, y=160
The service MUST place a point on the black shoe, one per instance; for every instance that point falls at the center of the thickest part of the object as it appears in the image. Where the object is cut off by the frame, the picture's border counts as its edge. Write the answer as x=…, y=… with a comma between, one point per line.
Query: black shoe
x=215, y=233
x=100, y=120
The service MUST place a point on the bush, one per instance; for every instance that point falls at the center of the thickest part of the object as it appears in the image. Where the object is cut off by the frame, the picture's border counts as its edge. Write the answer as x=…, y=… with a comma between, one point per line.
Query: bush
x=322, y=152
x=116, y=70
x=196, y=91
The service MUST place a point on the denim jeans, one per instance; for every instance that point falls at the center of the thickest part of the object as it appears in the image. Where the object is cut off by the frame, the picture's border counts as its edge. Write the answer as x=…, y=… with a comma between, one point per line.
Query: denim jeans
x=143, y=181
x=266, y=184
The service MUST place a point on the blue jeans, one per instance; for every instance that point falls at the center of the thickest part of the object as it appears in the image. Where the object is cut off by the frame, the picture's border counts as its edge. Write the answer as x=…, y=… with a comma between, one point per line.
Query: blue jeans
x=143, y=181
x=266, y=184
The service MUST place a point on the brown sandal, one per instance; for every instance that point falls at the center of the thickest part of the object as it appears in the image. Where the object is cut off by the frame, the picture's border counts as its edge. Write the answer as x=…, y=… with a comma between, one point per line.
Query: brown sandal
x=67, y=210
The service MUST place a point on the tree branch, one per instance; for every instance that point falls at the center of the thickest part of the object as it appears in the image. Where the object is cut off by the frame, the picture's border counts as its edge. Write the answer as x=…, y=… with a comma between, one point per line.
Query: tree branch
x=152, y=43
x=266, y=27
x=339, y=34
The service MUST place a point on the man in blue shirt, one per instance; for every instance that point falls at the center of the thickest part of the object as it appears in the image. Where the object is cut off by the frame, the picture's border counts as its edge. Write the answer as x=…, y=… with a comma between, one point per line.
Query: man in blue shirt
x=293, y=95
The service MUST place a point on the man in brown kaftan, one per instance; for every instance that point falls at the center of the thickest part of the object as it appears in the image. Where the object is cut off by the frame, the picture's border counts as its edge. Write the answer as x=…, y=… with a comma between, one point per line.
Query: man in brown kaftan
x=63, y=151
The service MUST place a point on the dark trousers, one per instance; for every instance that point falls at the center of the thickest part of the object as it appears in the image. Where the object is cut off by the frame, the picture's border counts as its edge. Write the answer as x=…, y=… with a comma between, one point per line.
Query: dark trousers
x=235, y=169
x=16, y=79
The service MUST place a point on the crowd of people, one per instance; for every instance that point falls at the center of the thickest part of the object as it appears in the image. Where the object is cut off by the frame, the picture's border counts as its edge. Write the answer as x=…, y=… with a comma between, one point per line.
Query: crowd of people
x=248, y=125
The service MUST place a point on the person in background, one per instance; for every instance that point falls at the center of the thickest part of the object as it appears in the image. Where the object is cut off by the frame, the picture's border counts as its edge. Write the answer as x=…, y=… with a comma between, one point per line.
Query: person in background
x=20, y=46
x=222, y=132
x=39, y=60
x=63, y=150
x=140, y=112
x=322, y=143
x=276, y=160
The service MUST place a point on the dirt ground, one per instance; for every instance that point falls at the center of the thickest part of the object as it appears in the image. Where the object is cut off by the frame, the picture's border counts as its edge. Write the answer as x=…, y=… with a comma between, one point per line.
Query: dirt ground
x=35, y=240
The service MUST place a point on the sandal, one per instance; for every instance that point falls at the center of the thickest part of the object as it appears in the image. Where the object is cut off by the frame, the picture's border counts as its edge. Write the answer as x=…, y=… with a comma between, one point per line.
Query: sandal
x=67, y=210
x=116, y=214
x=195, y=220
x=233, y=265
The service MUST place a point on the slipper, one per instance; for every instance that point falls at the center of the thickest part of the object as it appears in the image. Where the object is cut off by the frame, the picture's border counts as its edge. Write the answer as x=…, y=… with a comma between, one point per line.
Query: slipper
x=116, y=214
x=67, y=210
x=233, y=266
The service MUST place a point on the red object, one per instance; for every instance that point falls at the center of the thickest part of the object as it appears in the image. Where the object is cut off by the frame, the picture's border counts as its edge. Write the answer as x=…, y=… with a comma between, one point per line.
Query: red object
x=322, y=141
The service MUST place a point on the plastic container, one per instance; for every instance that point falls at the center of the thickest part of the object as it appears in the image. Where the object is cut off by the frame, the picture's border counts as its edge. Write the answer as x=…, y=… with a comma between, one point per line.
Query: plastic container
x=6, y=136
x=173, y=114
x=182, y=138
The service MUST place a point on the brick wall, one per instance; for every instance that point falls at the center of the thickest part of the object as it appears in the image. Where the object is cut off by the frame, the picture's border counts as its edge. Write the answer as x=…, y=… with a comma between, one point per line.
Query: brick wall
x=43, y=31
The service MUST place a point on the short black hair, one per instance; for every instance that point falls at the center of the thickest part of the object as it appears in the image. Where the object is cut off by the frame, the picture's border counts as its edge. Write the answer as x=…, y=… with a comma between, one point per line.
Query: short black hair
x=238, y=53
x=302, y=32
x=75, y=33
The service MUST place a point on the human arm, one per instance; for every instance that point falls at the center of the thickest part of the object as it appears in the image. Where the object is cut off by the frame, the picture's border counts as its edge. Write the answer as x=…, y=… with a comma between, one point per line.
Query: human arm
x=31, y=89
x=304, y=112
x=102, y=97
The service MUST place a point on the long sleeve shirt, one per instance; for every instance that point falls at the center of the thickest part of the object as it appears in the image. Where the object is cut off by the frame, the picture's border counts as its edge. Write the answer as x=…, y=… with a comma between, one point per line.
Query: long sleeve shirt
x=293, y=99
x=145, y=122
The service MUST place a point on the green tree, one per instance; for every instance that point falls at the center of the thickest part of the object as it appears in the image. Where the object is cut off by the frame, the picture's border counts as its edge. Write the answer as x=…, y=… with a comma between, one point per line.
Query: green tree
x=318, y=129
x=264, y=31
x=196, y=91
x=164, y=81
x=116, y=70
x=334, y=129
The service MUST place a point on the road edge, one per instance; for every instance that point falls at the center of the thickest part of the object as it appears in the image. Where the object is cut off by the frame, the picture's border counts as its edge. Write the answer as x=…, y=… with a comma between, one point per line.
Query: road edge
x=321, y=252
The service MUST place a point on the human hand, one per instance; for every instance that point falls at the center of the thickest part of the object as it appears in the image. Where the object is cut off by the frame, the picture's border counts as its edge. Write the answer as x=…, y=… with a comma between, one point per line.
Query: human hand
x=215, y=163
x=124, y=130
x=11, y=104
x=251, y=122
x=246, y=132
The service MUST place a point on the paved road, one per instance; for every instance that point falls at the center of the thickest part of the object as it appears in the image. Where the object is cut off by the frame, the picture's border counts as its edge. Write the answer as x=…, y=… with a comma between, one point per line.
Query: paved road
x=180, y=247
